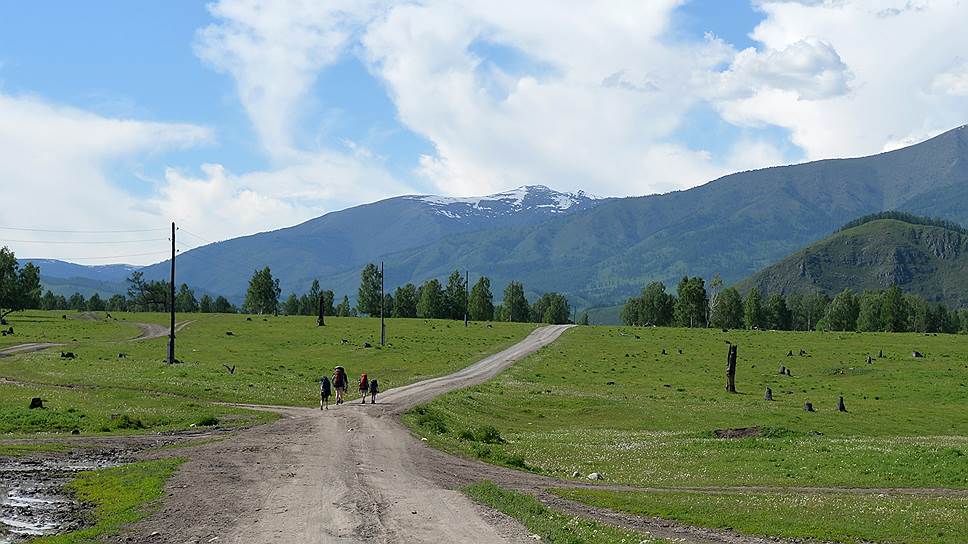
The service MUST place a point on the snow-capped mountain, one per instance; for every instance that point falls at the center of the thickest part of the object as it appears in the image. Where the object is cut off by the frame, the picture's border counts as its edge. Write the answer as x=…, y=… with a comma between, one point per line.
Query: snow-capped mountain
x=333, y=247
x=530, y=199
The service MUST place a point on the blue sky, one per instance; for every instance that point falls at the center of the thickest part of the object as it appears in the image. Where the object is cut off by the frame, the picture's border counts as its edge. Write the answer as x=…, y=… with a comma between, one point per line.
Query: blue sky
x=235, y=117
x=136, y=60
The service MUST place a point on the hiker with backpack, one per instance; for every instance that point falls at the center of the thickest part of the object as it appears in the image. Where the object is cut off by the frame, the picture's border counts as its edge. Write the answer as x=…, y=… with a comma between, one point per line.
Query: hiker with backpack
x=324, y=392
x=374, y=389
x=339, y=383
x=364, y=387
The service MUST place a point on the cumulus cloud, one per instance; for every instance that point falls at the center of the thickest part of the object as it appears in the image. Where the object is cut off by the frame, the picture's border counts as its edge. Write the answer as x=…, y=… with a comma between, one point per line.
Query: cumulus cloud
x=591, y=102
x=953, y=82
x=274, y=52
x=810, y=68
x=898, y=93
x=53, y=163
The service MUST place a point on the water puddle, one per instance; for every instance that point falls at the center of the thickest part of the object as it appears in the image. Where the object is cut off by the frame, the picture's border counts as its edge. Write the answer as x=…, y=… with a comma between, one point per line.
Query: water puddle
x=32, y=498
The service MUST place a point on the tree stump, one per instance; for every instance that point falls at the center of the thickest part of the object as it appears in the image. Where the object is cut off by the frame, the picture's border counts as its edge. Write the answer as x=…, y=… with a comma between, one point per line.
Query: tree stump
x=731, y=369
x=870, y=360
x=790, y=353
x=788, y=373
x=36, y=402
x=917, y=354
x=768, y=395
x=782, y=370
x=840, y=405
x=321, y=320
x=808, y=407
x=880, y=354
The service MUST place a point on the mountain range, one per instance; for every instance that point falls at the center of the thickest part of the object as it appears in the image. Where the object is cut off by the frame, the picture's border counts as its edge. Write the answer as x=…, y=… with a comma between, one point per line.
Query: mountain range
x=928, y=260
x=597, y=251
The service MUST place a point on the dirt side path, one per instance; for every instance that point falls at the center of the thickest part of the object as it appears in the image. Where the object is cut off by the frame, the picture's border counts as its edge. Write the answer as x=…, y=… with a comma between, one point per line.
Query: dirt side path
x=27, y=348
x=149, y=331
x=348, y=474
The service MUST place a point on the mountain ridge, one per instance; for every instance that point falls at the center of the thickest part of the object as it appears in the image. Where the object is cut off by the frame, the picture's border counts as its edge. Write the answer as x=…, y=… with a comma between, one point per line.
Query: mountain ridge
x=924, y=259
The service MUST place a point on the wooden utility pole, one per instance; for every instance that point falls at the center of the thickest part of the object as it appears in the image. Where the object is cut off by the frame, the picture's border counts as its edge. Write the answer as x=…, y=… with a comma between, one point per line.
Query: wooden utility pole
x=321, y=320
x=171, y=330
x=467, y=294
x=731, y=369
x=383, y=302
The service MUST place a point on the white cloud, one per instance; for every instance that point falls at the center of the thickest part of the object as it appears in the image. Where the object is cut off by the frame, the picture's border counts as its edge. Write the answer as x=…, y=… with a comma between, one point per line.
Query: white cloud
x=599, y=103
x=810, y=68
x=224, y=205
x=53, y=161
x=56, y=162
x=275, y=51
x=953, y=82
x=900, y=54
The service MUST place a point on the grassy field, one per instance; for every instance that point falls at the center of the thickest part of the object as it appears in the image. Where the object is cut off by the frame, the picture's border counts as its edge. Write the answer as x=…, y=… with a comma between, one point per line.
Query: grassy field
x=549, y=525
x=607, y=400
x=277, y=360
x=114, y=411
x=836, y=517
x=118, y=496
x=73, y=327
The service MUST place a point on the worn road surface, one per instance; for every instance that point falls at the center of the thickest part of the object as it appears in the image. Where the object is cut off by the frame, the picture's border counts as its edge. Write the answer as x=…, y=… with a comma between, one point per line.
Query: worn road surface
x=348, y=474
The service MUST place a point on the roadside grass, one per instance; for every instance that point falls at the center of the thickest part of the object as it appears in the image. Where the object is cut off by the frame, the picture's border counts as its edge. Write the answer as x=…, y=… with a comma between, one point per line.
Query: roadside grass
x=607, y=400
x=78, y=327
x=119, y=496
x=277, y=359
x=548, y=524
x=111, y=411
x=836, y=517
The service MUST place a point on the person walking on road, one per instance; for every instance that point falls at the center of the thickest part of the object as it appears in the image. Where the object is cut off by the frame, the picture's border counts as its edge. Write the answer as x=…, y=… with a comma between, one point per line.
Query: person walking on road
x=339, y=383
x=324, y=392
x=374, y=389
x=364, y=387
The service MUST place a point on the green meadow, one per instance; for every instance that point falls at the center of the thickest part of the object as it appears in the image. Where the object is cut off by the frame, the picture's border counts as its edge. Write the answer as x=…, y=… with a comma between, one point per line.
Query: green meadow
x=276, y=359
x=608, y=400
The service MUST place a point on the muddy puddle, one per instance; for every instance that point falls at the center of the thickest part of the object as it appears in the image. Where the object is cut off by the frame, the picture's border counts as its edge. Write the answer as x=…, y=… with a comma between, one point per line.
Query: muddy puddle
x=33, y=501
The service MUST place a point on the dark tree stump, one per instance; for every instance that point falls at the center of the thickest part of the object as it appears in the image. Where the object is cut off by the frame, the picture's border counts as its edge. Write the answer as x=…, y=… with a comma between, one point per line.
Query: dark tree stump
x=870, y=360
x=36, y=402
x=731, y=370
x=783, y=370
x=808, y=407
x=790, y=353
x=917, y=354
x=880, y=354
x=840, y=405
x=768, y=395
x=788, y=373
x=321, y=320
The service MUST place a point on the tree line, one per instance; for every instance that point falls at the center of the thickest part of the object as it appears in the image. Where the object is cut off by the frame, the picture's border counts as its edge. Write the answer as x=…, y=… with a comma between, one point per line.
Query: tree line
x=20, y=289
x=888, y=310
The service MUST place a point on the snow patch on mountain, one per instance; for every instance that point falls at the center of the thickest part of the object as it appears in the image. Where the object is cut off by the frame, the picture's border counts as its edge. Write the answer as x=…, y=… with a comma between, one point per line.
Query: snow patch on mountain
x=528, y=197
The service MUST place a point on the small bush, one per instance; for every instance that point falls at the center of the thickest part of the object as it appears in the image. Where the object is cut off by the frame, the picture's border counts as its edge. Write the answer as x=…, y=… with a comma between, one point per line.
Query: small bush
x=465, y=435
x=129, y=423
x=489, y=435
x=207, y=421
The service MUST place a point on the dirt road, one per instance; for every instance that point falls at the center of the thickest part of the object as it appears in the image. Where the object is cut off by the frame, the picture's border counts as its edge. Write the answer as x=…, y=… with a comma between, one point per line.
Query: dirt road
x=149, y=331
x=348, y=474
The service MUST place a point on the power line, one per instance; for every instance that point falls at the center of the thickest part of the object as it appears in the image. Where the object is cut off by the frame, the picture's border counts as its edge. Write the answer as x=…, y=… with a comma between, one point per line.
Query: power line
x=83, y=231
x=83, y=242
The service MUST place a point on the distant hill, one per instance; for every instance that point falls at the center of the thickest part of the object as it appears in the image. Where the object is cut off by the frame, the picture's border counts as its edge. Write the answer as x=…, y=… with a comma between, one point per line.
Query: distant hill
x=63, y=269
x=929, y=260
x=733, y=226
x=64, y=278
x=342, y=242
x=596, y=251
